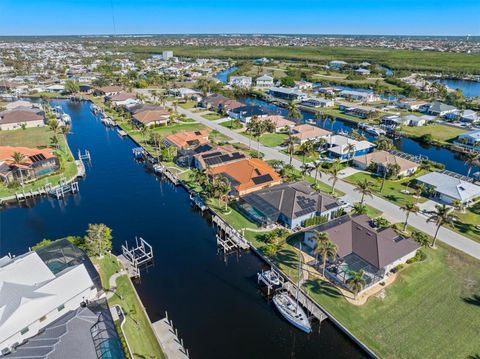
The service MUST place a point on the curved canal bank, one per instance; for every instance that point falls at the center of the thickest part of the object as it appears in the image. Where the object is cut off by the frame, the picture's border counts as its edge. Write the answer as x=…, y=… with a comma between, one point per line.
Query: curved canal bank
x=214, y=302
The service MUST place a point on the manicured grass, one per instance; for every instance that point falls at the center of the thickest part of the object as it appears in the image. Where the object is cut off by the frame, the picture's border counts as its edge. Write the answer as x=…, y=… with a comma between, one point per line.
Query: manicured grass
x=391, y=190
x=232, y=124
x=39, y=137
x=213, y=116
x=269, y=139
x=232, y=215
x=187, y=105
x=428, y=312
x=440, y=133
x=373, y=212
x=138, y=332
x=30, y=137
x=468, y=221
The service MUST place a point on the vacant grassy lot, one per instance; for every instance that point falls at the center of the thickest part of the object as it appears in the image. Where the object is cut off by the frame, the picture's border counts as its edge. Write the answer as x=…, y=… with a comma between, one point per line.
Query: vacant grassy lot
x=213, y=116
x=187, y=105
x=440, y=133
x=396, y=59
x=468, y=221
x=392, y=189
x=232, y=124
x=269, y=139
x=138, y=331
x=30, y=137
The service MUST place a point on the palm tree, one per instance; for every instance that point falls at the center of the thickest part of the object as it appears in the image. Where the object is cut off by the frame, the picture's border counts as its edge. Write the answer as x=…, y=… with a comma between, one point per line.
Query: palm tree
x=250, y=129
x=365, y=188
x=305, y=169
x=459, y=205
x=418, y=191
x=472, y=159
x=326, y=249
x=332, y=122
x=384, y=143
x=307, y=149
x=317, y=165
x=291, y=141
x=334, y=172
x=409, y=208
x=317, y=238
x=359, y=208
x=350, y=148
x=356, y=282
x=53, y=125
x=17, y=159
x=293, y=111
x=442, y=215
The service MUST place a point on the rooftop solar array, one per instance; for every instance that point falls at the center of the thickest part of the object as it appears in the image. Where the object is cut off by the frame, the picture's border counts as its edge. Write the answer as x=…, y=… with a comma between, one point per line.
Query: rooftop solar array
x=37, y=158
x=218, y=158
x=262, y=179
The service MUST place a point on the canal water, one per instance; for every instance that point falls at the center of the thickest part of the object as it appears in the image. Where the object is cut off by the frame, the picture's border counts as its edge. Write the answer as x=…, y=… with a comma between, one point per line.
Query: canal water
x=468, y=87
x=213, y=301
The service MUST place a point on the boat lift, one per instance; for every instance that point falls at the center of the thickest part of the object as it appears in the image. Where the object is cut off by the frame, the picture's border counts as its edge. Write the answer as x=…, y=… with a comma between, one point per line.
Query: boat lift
x=136, y=258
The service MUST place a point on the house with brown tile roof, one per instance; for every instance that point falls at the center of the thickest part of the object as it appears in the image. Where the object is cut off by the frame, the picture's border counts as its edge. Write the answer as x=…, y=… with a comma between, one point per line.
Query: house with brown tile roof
x=187, y=139
x=383, y=158
x=107, y=90
x=305, y=132
x=362, y=246
x=248, y=175
x=220, y=103
x=16, y=118
x=35, y=163
x=149, y=118
x=280, y=122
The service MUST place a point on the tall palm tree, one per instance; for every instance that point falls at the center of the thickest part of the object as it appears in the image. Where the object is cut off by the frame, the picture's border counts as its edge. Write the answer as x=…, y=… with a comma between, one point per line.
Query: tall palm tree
x=442, y=215
x=350, y=148
x=293, y=111
x=291, y=141
x=307, y=149
x=317, y=238
x=332, y=122
x=356, y=282
x=365, y=188
x=53, y=125
x=17, y=159
x=459, y=206
x=317, y=165
x=384, y=143
x=473, y=159
x=334, y=172
x=305, y=169
x=326, y=249
x=251, y=125
x=408, y=208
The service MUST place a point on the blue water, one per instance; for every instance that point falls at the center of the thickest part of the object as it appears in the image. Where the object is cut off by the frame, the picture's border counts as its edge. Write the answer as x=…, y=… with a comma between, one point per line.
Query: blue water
x=453, y=161
x=223, y=75
x=469, y=88
x=214, y=301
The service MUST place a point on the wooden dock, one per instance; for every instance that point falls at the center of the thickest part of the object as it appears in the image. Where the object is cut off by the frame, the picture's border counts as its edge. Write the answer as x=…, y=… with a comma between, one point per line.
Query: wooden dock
x=167, y=335
x=232, y=238
x=305, y=301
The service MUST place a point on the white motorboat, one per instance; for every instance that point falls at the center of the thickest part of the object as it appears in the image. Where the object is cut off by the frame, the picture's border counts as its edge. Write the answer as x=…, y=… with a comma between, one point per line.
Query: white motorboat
x=271, y=277
x=66, y=118
x=292, y=311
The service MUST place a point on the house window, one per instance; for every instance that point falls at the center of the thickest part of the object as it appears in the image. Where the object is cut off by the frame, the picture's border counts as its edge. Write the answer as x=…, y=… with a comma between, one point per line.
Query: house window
x=43, y=318
x=60, y=308
x=23, y=331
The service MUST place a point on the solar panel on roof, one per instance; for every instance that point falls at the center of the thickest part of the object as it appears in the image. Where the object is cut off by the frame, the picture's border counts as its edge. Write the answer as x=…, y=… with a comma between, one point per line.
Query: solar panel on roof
x=38, y=157
x=262, y=179
x=213, y=154
x=213, y=161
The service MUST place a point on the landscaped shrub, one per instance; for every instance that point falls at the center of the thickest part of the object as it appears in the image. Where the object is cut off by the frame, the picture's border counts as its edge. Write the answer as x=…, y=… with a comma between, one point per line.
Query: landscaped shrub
x=315, y=220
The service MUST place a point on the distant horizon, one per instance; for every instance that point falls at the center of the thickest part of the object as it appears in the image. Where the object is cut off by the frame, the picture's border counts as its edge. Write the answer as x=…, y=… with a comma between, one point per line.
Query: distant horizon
x=193, y=17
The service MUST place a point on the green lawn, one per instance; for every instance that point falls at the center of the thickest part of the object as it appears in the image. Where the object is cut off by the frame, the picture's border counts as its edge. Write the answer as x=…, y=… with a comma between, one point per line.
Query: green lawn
x=232, y=215
x=373, y=212
x=39, y=137
x=188, y=105
x=391, y=190
x=440, y=133
x=213, y=116
x=426, y=312
x=468, y=221
x=138, y=331
x=269, y=139
x=232, y=124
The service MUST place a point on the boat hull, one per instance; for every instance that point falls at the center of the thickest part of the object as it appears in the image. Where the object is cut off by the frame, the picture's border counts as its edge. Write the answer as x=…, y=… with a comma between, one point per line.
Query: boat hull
x=303, y=324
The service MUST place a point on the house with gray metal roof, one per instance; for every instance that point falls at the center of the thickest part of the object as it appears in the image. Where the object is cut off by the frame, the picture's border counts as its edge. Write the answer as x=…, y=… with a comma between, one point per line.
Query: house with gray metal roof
x=449, y=189
x=289, y=204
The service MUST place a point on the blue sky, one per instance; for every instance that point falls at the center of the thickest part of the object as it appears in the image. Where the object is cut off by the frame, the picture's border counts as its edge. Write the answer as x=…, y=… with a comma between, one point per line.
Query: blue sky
x=390, y=17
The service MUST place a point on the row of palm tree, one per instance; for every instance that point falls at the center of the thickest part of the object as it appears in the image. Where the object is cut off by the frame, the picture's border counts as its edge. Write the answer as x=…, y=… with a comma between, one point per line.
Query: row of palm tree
x=215, y=186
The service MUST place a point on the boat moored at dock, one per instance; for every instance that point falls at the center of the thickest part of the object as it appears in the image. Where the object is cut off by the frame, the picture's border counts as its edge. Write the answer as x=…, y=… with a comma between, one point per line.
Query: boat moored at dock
x=292, y=311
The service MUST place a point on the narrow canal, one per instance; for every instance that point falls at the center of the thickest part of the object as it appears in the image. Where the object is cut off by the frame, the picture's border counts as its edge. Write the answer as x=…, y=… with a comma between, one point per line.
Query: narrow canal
x=215, y=304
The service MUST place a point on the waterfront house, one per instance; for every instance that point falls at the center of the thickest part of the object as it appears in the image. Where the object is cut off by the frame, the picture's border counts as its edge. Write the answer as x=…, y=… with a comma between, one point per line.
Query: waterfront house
x=303, y=85
x=362, y=72
x=440, y=109
x=247, y=175
x=187, y=139
x=393, y=121
x=340, y=147
x=362, y=96
x=140, y=107
x=318, y=102
x=306, y=132
x=468, y=116
x=35, y=163
x=185, y=93
x=240, y=81
x=18, y=104
x=217, y=157
x=469, y=139
x=281, y=123
x=220, y=103
x=380, y=159
x=415, y=121
x=151, y=118
x=288, y=94
x=362, y=247
x=354, y=110
x=37, y=288
x=246, y=113
x=289, y=204
x=264, y=81
x=411, y=105
x=21, y=117
x=107, y=90
x=123, y=99
x=448, y=189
